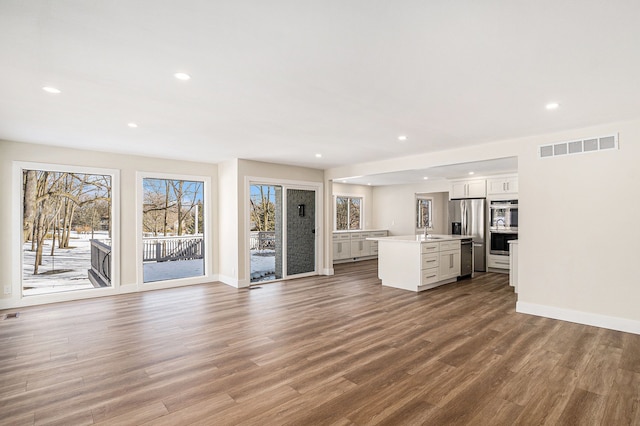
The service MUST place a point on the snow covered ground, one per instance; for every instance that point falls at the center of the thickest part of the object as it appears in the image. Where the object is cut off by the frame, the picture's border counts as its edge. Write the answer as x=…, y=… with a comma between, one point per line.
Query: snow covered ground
x=64, y=271
x=263, y=265
x=159, y=271
x=67, y=269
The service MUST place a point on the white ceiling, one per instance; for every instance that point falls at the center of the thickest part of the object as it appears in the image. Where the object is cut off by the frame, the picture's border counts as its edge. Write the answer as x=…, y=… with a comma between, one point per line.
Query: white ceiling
x=280, y=81
x=451, y=171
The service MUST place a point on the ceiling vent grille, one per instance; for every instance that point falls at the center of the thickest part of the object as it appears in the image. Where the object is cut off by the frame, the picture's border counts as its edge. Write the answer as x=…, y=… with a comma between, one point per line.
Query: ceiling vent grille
x=601, y=143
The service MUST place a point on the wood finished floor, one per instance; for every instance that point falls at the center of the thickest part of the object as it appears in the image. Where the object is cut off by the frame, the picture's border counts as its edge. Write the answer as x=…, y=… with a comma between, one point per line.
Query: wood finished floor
x=337, y=350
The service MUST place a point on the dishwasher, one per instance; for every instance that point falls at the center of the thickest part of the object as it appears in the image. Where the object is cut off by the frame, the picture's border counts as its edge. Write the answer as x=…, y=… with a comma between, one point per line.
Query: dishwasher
x=466, y=258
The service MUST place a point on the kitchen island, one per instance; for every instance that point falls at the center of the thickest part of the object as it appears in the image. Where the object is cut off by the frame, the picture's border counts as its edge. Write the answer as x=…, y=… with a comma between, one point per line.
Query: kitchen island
x=417, y=263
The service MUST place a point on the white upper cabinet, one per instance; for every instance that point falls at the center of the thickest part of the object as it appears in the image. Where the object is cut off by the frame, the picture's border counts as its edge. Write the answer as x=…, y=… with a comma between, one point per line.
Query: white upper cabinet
x=502, y=185
x=469, y=189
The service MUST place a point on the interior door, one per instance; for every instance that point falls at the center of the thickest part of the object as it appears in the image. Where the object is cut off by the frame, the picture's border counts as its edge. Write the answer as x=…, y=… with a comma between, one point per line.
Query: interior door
x=301, y=231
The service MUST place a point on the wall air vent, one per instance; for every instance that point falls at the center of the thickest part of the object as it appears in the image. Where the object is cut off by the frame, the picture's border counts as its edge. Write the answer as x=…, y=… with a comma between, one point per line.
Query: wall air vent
x=601, y=143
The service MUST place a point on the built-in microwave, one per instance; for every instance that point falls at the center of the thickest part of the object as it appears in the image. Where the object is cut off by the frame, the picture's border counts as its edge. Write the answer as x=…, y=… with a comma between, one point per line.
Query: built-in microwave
x=503, y=215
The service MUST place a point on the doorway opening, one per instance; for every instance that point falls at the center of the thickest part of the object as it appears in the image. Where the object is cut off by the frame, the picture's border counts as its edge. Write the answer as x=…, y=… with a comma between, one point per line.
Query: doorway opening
x=282, y=231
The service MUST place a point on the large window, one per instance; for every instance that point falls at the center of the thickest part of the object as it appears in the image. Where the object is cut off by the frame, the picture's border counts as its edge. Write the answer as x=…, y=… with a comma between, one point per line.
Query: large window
x=348, y=213
x=67, y=229
x=173, y=228
x=424, y=212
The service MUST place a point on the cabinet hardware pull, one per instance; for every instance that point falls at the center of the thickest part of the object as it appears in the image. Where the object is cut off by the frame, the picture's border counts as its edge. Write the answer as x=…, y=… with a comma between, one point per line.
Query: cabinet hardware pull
x=430, y=276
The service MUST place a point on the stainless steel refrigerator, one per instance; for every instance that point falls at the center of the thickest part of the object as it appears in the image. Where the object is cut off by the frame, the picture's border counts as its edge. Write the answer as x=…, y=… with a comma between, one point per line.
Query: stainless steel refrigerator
x=467, y=217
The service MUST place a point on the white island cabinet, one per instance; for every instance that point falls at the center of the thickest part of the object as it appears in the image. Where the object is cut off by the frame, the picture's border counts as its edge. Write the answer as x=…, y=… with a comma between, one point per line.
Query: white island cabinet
x=416, y=263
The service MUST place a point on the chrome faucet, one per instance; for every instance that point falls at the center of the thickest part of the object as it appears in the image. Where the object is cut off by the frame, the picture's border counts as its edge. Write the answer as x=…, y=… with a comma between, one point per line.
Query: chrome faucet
x=426, y=234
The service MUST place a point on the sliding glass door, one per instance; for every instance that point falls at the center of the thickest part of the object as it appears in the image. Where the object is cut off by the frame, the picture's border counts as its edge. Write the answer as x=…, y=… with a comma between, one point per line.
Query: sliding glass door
x=282, y=231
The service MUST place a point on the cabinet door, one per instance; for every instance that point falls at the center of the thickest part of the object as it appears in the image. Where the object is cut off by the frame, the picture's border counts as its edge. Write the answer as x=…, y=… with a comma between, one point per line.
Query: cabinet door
x=511, y=184
x=449, y=266
x=476, y=189
x=495, y=186
x=357, y=248
x=459, y=190
x=508, y=185
x=341, y=250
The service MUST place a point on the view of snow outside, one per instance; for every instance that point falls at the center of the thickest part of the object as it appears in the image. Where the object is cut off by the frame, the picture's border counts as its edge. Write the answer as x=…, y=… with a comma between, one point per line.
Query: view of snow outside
x=66, y=270
x=61, y=212
x=263, y=265
x=172, y=270
x=173, y=225
x=263, y=205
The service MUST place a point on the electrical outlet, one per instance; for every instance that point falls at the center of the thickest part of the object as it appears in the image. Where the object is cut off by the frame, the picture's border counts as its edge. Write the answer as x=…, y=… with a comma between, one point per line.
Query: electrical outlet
x=7, y=289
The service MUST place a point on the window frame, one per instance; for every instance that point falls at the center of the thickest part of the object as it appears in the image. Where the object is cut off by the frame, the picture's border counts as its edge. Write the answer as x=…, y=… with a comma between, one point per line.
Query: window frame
x=335, y=210
x=16, y=295
x=418, y=223
x=209, y=250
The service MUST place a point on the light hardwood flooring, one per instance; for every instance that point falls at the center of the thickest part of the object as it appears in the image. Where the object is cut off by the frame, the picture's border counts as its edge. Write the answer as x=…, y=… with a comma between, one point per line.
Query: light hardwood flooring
x=336, y=350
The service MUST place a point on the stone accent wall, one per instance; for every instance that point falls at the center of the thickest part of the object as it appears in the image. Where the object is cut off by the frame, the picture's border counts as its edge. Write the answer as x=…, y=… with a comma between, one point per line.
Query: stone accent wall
x=301, y=237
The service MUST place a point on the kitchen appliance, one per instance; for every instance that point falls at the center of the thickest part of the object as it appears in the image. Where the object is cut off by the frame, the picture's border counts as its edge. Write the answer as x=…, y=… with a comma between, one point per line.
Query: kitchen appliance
x=503, y=225
x=500, y=241
x=467, y=217
x=466, y=257
x=504, y=215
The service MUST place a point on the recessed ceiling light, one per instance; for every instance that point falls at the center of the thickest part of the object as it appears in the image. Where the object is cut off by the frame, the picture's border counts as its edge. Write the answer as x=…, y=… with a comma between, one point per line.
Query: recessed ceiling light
x=552, y=105
x=369, y=183
x=426, y=177
x=50, y=89
x=402, y=138
x=132, y=125
x=318, y=155
x=471, y=173
x=182, y=76
x=344, y=181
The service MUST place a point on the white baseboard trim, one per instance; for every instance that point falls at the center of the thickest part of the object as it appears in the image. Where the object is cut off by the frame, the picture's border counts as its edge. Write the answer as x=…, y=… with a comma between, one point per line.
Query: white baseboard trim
x=586, y=318
x=232, y=281
x=326, y=271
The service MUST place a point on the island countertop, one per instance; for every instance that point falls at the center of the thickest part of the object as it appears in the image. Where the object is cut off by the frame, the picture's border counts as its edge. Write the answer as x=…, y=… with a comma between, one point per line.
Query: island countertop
x=432, y=238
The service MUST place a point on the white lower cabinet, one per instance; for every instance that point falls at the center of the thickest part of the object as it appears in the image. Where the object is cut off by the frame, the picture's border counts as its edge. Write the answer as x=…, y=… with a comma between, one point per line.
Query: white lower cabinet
x=449, y=266
x=353, y=245
x=495, y=261
x=341, y=250
x=418, y=266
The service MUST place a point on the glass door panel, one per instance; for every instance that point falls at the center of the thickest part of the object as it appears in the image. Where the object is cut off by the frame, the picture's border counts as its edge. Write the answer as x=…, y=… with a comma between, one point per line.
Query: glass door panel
x=265, y=239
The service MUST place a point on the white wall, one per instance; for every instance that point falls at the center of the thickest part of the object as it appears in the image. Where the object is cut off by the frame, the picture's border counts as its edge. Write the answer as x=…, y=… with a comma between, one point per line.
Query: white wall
x=228, y=221
x=127, y=165
x=363, y=191
x=395, y=207
x=578, y=244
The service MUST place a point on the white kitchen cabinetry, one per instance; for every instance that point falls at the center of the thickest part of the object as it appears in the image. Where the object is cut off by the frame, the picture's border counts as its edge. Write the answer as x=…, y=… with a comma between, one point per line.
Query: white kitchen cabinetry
x=469, y=189
x=353, y=245
x=359, y=246
x=416, y=265
x=449, y=265
x=341, y=246
x=503, y=185
x=498, y=262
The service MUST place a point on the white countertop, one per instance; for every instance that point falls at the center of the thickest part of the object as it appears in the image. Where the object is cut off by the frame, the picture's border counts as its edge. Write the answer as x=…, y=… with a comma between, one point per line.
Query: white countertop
x=357, y=230
x=432, y=238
